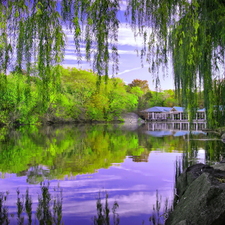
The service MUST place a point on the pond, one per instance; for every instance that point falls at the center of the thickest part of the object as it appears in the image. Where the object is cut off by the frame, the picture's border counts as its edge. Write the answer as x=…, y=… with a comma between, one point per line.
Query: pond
x=92, y=174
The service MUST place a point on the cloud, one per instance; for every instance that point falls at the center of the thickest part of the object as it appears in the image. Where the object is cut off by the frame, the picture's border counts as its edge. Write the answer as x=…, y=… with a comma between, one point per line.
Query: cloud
x=123, y=5
x=126, y=36
x=127, y=71
x=133, y=204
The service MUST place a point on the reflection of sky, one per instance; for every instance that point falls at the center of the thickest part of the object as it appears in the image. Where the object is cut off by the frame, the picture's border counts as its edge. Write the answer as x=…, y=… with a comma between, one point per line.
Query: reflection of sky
x=163, y=133
x=133, y=185
x=159, y=133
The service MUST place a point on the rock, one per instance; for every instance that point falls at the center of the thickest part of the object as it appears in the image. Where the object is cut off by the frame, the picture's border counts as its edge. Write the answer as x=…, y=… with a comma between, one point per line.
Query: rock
x=186, y=222
x=131, y=118
x=223, y=160
x=201, y=197
x=223, y=136
x=220, y=166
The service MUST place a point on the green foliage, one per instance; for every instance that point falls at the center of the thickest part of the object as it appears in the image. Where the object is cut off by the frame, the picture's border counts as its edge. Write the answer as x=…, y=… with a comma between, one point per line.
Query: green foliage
x=13, y=104
x=102, y=102
x=164, y=98
x=78, y=98
x=137, y=91
x=191, y=31
x=69, y=150
x=73, y=150
x=145, y=101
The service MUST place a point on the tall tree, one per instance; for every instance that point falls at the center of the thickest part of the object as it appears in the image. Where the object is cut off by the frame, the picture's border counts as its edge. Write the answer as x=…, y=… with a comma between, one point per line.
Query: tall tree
x=192, y=32
x=142, y=84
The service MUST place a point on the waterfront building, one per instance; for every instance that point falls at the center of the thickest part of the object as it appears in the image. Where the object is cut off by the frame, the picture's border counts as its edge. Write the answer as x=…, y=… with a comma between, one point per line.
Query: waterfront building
x=175, y=113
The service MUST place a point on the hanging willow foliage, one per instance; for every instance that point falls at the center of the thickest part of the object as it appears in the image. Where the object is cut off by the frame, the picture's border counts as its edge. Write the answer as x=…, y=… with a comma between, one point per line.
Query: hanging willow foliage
x=191, y=32
x=32, y=32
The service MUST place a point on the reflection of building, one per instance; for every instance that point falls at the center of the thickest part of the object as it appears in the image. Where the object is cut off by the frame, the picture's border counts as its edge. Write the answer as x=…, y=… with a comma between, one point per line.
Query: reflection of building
x=176, y=126
x=161, y=129
x=142, y=158
x=171, y=114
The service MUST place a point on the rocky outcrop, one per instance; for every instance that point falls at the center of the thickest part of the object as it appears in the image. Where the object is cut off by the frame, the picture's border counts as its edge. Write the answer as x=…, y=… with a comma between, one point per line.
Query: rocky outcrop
x=201, y=191
x=223, y=137
x=131, y=118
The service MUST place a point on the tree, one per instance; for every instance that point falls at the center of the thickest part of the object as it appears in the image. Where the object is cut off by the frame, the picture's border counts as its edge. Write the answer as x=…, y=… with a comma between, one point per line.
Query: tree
x=142, y=84
x=191, y=31
x=169, y=98
x=144, y=101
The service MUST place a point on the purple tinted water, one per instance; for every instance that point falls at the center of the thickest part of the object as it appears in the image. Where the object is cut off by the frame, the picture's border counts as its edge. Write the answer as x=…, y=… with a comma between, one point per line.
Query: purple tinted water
x=130, y=179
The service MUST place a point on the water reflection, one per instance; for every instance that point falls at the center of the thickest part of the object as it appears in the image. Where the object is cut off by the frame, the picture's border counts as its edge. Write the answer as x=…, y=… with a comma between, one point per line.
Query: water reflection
x=130, y=164
x=56, y=152
x=49, y=210
x=103, y=212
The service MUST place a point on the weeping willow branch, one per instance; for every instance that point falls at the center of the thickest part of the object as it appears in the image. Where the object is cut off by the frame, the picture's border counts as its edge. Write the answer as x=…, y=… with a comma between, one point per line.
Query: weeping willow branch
x=191, y=32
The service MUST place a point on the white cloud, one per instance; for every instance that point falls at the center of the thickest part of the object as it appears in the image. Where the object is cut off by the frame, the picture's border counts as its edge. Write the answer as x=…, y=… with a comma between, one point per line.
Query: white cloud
x=123, y=5
x=126, y=36
x=127, y=71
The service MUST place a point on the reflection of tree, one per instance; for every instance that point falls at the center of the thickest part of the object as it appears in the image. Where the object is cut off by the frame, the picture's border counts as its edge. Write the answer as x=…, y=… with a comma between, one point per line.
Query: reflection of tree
x=37, y=174
x=141, y=158
x=103, y=212
x=72, y=150
x=64, y=150
x=49, y=210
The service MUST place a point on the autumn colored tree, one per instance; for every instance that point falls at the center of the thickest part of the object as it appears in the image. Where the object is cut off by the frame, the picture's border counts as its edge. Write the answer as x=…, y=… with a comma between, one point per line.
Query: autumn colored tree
x=142, y=84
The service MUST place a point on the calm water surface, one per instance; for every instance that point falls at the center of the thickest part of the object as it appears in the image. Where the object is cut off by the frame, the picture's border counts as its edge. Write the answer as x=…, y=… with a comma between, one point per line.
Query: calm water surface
x=129, y=163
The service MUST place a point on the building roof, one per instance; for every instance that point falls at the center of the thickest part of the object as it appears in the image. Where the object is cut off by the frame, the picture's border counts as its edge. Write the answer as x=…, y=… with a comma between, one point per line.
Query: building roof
x=168, y=109
x=158, y=109
x=179, y=109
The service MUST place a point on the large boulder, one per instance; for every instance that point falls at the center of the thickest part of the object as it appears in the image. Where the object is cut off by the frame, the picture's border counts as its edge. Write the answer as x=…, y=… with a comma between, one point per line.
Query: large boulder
x=223, y=137
x=201, y=191
x=131, y=118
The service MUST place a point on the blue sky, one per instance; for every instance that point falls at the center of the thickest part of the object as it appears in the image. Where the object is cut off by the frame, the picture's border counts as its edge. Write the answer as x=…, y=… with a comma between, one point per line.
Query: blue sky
x=129, y=63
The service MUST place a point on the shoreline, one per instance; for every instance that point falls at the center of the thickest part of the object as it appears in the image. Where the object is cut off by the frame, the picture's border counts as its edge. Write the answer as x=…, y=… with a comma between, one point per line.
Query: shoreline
x=125, y=118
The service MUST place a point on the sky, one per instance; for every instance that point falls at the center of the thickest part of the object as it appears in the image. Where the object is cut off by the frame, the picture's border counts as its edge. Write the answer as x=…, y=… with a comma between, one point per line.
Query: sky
x=130, y=67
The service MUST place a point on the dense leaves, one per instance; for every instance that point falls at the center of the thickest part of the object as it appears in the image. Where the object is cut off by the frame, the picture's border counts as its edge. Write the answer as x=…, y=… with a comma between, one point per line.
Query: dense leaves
x=142, y=84
x=79, y=99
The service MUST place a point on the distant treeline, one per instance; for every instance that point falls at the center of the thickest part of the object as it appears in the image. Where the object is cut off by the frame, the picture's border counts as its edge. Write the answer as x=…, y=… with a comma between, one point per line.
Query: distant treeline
x=74, y=97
